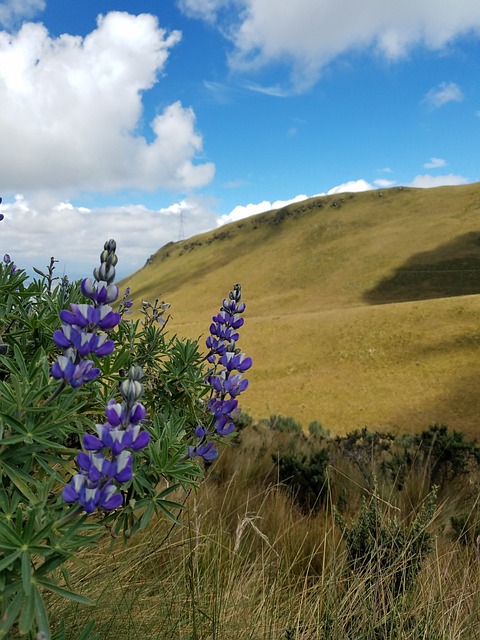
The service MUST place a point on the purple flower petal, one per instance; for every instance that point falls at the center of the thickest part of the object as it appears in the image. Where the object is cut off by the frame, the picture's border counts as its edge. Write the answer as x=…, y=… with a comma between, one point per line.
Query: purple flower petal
x=92, y=443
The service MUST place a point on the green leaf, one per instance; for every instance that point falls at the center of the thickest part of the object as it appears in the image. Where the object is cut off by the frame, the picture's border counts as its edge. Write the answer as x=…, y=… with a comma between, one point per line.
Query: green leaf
x=41, y=612
x=85, y=635
x=26, y=617
x=9, y=560
x=13, y=422
x=8, y=536
x=145, y=519
x=15, y=476
x=10, y=615
x=26, y=573
x=65, y=593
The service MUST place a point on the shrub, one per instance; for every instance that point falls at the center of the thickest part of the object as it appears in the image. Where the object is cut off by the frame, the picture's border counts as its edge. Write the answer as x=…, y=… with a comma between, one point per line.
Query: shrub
x=439, y=453
x=304, y=476
x=365, y=448
x=283, y=423
x=316, y=429
x=385, y=551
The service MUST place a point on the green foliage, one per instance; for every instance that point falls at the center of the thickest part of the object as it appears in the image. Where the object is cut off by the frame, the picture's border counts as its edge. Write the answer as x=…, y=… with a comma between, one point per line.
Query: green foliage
x=466, y=528
x=42, y=422
x=447, y=453
x=283, y=423
x=440, y=454
x=317, y=430
x=243, y=420
x=385, y=550
x=365, y=448
x=304, y=476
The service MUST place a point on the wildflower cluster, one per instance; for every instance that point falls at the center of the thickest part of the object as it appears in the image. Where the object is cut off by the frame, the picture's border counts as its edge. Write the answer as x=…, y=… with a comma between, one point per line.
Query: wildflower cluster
x=226, y=376
x=79, y=335
x=106, y=463
x=126, y=467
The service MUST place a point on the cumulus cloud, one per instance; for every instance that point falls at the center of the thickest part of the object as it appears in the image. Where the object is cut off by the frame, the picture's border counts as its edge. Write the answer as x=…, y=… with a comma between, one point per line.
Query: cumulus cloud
x=32, y=229
x=427, y=181
x=12, y=11
x=354, y=186
x=443, y=94
x=72, y=106
x=245, y=211
x=309, y=34
x=435, y=163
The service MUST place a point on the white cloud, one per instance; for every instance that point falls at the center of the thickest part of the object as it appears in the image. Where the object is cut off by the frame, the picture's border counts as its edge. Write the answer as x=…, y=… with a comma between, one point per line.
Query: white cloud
x=204, y=9
x=12, y=11
x=32, y=229
x=443, y=94
x=245, y=211
x=384, y=184
x=71, y=108
x=426, y=181
x=435, y=163
x=354, y=186
x=309, y=34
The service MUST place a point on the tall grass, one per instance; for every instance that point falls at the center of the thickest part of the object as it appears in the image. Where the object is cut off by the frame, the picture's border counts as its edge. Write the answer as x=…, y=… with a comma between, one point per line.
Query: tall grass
x=248, y=564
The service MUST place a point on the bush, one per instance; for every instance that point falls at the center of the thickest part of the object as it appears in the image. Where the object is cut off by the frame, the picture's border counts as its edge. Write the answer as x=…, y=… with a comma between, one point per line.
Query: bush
x=316, y=429
x=304, y=476
x=385, y=551
x=283, y=423
x=440, y=454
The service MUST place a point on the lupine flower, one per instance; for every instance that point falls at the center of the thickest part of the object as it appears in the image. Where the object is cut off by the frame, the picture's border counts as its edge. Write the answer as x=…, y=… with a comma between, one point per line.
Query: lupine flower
x=126, y=303
x=7, y=261
x=79, y=335
x=106, y=462
x=1, y=214
x=226, y=376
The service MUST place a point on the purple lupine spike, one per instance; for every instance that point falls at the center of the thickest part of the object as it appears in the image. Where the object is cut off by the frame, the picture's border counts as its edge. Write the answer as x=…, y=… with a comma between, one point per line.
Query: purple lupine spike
x=80, y=334
x=225, y=377
x=107, y=460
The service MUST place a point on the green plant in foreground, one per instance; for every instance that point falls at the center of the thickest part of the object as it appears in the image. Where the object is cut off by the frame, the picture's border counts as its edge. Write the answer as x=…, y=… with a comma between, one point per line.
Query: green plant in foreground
x=384, y=549
x=135, y=456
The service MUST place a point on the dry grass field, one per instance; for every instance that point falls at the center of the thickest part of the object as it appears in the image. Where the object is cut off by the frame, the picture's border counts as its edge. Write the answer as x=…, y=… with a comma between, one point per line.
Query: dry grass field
x=362, y=309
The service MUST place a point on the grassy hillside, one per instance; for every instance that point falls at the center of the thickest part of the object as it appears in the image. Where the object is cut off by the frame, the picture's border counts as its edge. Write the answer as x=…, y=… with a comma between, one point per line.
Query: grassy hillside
x=362, y=309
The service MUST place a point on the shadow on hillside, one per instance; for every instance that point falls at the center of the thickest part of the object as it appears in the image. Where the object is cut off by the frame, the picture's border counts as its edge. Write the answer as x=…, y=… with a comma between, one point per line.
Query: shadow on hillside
x=452, y=269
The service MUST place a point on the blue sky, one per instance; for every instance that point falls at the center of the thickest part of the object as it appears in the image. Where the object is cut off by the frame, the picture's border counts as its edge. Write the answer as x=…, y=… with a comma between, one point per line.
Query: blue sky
x=147, y=120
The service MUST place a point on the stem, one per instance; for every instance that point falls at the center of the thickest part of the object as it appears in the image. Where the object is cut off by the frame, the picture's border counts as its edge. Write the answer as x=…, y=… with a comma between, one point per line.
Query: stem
x=69, y=516
x=56, y=393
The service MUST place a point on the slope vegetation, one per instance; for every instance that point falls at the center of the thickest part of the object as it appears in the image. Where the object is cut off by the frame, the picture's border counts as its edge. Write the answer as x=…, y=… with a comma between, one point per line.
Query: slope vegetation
x=362, y=309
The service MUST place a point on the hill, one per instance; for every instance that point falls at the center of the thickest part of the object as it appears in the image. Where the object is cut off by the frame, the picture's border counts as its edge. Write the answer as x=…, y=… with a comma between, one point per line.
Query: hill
x=362, y=309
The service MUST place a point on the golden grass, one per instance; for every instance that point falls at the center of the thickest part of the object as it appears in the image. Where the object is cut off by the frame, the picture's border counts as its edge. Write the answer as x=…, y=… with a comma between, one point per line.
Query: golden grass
x=247, y=565
x=362, y=313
